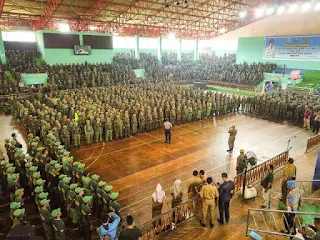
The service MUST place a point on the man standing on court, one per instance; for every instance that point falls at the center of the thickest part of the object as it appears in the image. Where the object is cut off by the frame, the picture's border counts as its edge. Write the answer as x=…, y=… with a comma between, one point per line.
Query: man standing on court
x=225, y=195
x=232, y=137
x=208, y=193
x=266, y=187
x=167, y=130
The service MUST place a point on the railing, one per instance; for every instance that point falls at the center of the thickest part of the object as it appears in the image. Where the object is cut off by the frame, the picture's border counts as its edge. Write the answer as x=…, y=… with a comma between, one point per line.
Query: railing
x=275, y=222
x=170, y=220
x=258, y=172
x=312, y=143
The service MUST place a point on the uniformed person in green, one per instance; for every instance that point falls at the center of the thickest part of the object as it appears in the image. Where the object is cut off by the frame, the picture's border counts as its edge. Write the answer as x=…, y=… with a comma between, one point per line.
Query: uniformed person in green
x=18, y=216
x=86, y=212
x=88, y=131
x=14, y=206
x=93, y=187
x=76, y=132
x=19, y=196
x=58, y=225
x=71, y=207
x=209, y=193
x=232, y=137
x=65, y=136
x=241, y=164
x=78, y=200
x=45, y=214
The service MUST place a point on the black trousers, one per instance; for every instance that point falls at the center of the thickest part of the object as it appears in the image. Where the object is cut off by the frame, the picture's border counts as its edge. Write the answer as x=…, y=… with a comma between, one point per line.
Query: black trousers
x=316, y=125
x=167, y=133
x=289, y=221
x=224, y=210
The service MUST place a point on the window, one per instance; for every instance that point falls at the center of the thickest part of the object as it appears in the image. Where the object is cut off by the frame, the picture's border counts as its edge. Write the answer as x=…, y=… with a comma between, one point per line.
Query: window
x=19, y=36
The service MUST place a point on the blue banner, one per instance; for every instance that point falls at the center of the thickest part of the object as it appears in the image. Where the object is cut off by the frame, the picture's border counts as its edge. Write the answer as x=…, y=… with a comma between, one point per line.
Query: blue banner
x=292, y=48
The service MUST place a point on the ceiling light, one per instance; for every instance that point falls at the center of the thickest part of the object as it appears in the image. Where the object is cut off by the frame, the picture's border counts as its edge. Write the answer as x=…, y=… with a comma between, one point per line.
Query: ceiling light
x=223, y=30
x=259, y=12
x=243, y=14
x=270, y=11
x=64, y=27
x=293, y=8
x=318, y=6
x=92, y=28
x=171, y=36
x=305, y=7
x=281, y=9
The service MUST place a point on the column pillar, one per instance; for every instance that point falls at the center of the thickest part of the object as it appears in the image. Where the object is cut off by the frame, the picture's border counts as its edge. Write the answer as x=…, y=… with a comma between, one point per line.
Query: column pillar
x=179, y=52
x=159, y=49
x=2, y=50
x=136, y=47
x=196, y=52
x=81, y=39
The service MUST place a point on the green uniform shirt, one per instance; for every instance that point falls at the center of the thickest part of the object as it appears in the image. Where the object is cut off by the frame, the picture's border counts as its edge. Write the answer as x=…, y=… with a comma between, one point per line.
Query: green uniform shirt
x=45, y=216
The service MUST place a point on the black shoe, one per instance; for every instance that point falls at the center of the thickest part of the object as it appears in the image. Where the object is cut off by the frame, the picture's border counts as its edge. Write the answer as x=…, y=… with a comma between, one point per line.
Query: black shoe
x=228, y=150
x=211, y=225
x=221, y=222
x=203, y=225
x=262, y=206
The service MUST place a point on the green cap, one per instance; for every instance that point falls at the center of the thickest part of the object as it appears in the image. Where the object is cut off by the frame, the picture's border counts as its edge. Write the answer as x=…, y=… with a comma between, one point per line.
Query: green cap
x=28, y=157
x=57, y=166
x=78, y=190
x=37, y=138
x=8, y=165
x=53, y=162
x=36, y=175
x=95, y=177
x=34, y=169
x=108, y=188
x=11, y=169
x=15, y=205
x=3, y=162
x=56, y=212
x=18, y=192
x=18, y=212
x=62, y=176
x=19, y=150
x=43, y=195
x=101, y=183
x=73, y=186
x=86, y=199
x=40, y=181
x=66, y=179
x=57, y=143
x=114, y=195
x=33, y=144
x=69, y=159
x=40, y=148
x=81, y=166
x=7, y=140
x=65, y=153
x=13, y=141
x=75, y=164
x=28, y=164
x=61, y=147
x=12, y=148
x=14, y=176
x=44, y=201
x=38, y=189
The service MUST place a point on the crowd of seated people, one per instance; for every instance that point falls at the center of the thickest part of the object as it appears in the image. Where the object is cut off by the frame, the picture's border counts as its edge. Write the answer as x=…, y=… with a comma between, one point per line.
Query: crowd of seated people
x=213, y=69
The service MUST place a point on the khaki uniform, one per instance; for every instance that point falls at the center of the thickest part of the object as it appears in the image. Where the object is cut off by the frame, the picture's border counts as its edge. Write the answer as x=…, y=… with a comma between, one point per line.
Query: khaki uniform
x=208, y=194
x=195, y=181
x=232, y=137
x=288, y=173
x=240, y=163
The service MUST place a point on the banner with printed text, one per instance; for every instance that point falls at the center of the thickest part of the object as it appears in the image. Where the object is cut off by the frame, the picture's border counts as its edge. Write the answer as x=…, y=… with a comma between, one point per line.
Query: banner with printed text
x=292, y=48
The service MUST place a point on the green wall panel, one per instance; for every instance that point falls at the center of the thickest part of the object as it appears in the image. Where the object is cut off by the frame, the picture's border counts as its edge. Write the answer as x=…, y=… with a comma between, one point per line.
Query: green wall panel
x=66, y=56
x=252, y=50
x=223, y=52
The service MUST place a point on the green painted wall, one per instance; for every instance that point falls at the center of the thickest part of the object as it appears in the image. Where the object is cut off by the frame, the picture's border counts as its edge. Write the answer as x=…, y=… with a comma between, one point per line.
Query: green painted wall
x=66, y=56
x=2, y=51
x=252, y=50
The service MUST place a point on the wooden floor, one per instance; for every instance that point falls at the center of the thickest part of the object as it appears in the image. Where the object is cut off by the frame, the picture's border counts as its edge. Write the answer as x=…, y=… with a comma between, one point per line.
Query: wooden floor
x=134, y=166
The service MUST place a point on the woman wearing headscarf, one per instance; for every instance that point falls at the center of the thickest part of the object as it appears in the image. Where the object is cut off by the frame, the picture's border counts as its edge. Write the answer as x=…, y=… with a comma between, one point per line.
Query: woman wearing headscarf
x=176, y=193
x=157, y=201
